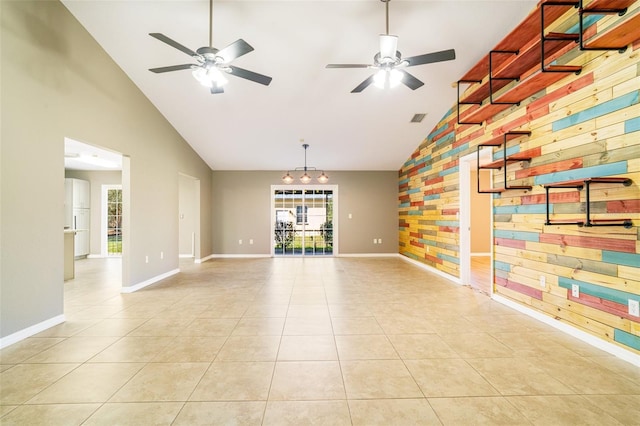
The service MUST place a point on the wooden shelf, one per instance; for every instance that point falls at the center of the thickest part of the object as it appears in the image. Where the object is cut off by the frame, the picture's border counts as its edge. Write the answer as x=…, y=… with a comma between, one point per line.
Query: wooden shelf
x=527, y=47
x=526, y=31
x=586, y=183
x=504, y=161
x=620, y=34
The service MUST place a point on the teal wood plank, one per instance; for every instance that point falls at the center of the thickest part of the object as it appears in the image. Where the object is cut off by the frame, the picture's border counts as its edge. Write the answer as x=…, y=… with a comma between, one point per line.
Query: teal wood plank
x=632, y=125
x=618, y=168
x=449, y=171
x=626, y=339
x=449, y=258
x=599, y=291
x=521, y=209
x=503, y=266
x=604, y=108
x=453, y=223
x=619, y=258
x=517, y=235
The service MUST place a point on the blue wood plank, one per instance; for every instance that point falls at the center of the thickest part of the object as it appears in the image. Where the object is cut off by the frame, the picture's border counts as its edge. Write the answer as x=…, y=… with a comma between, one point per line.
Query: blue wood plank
x=503, y=266
x=521, y=209
x=449, y=258
x=449, y=171
x=517, y=235
x=632, y=125
x=618, y=168
x=453, y=223
x=599, y=291
x=604, y=108
x=627, y=339
x=619, y=258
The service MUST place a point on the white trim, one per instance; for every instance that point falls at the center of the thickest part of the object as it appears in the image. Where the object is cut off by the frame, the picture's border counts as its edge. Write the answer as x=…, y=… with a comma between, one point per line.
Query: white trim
x=204, y=259
x=185, y=256
x=431, y=269
x=365, y=255
x=136, y=287
x=480, y=254
x=30, y=331
x=104, y=252
x=240, y=256
x=572, y=331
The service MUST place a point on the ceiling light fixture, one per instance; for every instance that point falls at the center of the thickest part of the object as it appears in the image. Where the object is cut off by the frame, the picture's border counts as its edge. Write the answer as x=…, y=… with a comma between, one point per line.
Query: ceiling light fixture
x=305, y=178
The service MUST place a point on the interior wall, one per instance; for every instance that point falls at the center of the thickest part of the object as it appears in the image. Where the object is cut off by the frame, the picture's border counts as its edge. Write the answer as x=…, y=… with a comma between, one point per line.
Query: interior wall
x=585, y=125
x=187, y=214
x=96, y=180
x=80, y=93
x=481, y=215
x=242, y=211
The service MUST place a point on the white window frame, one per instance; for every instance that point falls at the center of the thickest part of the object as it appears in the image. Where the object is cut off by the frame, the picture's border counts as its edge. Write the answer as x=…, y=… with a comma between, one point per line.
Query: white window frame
x=103, y=219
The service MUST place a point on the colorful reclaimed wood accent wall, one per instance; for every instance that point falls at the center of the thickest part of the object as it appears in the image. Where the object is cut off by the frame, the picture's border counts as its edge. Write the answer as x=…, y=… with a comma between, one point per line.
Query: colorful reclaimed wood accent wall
x=583, y=126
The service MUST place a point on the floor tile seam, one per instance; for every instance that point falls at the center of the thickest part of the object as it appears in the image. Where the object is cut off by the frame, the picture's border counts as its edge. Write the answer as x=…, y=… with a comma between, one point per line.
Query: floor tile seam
x=335, y=343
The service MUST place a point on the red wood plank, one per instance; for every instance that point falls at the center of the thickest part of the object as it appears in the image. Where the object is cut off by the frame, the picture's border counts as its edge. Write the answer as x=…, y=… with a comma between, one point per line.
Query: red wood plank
x=531, y=85
x=433, y=259
x=574, y=163
x=450, y=212
x=449, y=229
x=554, y=197
x=506, y=242
x=608, y=4
x=608, y=306
x=433, y=181
x=450, y=164
x=416, y=244
x=525, y=119
x=623, y=206
x=574, y=86
x=478, y=114
x=620, y=35
x=434, y=191
x=520, y=288
x=478, y=133
x=626, y=246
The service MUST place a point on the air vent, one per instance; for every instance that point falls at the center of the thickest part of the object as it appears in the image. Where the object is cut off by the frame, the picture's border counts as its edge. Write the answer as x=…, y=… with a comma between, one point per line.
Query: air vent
x=417, y=118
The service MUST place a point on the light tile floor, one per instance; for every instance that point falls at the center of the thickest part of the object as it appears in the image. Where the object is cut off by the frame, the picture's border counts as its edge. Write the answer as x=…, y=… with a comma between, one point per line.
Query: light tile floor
x=336, y=341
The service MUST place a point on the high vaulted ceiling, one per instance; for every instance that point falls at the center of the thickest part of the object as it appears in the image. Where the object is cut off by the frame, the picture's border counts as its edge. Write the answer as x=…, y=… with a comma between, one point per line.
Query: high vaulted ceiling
x=256, y=127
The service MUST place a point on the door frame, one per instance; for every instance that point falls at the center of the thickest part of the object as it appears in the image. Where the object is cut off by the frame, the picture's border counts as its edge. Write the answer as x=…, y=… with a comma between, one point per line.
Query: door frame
x=465, y=165
x=104, y=252
x=333, y=188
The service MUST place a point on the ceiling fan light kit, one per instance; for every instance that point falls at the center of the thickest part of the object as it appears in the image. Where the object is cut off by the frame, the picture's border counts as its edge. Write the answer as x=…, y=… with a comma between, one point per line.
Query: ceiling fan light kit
x=390, y=64
x=305, y=178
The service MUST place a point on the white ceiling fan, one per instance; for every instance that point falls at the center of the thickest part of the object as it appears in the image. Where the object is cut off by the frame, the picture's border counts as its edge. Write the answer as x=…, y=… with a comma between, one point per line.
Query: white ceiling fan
x=212, y=64
x=390, y=64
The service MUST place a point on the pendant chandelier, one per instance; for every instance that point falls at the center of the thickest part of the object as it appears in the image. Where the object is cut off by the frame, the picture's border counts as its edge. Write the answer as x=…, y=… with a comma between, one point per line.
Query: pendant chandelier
x=305, y=178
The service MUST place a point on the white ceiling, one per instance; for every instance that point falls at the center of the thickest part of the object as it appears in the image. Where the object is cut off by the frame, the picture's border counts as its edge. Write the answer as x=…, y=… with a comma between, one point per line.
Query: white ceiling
x=81, y=156
x=255, y=127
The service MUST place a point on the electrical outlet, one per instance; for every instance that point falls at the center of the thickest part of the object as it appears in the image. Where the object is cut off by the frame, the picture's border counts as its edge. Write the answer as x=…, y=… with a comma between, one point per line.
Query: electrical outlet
x=251, y=241
x=161, y=255
x=543, y=281
x=375, y=241
x=146, y=259
x=239, y=241
x=634, y=308
x=575, y=290
x=379, y=240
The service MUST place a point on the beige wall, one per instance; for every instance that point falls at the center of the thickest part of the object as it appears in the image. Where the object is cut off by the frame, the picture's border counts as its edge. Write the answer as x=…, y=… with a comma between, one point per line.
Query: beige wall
x=242, y=210
x=56, y=81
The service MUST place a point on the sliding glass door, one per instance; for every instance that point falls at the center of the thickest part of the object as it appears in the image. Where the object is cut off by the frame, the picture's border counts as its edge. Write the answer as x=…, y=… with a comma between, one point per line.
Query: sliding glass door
x=303, y=222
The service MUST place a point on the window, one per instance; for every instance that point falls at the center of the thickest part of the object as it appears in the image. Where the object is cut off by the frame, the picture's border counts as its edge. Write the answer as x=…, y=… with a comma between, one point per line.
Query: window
x=301, y=215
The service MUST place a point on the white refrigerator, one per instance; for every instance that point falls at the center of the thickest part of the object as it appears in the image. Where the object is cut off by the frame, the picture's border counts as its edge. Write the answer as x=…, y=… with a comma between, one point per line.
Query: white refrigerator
x=78, y=213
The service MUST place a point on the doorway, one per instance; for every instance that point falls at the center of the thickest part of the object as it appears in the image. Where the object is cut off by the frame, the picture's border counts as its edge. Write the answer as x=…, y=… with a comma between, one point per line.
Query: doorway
x=476, y=233
x=304, y=220
x=111, y=228
x=189, y=217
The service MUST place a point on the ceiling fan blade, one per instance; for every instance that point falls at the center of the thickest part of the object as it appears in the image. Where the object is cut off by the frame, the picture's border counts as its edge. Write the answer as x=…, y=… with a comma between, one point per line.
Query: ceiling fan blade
x=410, y=81
x=363, y=85
x=444, y=55
x=174, y=44
x=250, y=75
x=347, y=66
x=171, y=68
x=215, y=89
x=388, y=46
x=234, y=50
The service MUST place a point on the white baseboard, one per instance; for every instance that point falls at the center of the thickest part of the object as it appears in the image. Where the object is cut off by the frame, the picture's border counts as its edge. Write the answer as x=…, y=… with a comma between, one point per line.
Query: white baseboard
x=185, y=256
x=136, y=287
x=367, y=255
x=480, y=254
x=431, y=269
x=204, y=259
x=238, y=256
x=30, y=331
x=572, y=331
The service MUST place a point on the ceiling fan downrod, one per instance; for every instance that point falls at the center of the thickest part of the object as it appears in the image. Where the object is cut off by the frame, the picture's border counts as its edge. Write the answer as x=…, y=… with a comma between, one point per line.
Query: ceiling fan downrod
x=210, y=23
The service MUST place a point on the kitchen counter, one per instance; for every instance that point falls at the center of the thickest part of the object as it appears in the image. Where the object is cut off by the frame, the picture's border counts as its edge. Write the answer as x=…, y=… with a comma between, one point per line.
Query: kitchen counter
x=69, y=261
